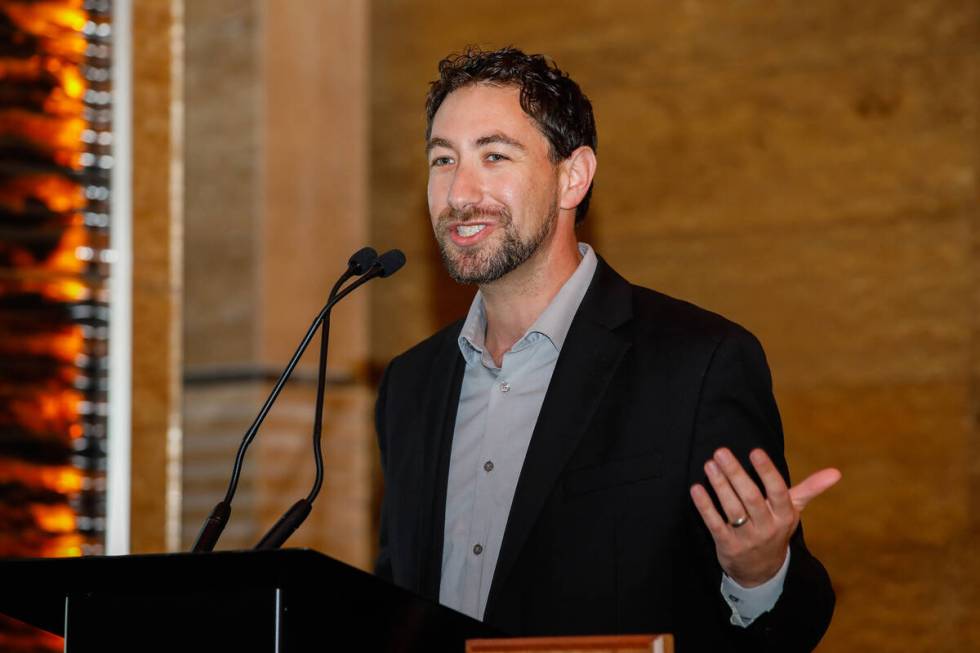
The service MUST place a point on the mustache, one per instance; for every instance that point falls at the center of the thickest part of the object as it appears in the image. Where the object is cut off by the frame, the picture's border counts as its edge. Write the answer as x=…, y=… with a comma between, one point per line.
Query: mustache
x=472, y=213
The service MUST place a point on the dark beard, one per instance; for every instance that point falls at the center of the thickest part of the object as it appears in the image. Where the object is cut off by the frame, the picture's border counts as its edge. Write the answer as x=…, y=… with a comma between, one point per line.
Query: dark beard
x=481, y=266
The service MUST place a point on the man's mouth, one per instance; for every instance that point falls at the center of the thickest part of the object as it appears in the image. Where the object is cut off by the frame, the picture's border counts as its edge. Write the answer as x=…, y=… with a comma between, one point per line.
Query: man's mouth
x=467, y=230
x=469, y=234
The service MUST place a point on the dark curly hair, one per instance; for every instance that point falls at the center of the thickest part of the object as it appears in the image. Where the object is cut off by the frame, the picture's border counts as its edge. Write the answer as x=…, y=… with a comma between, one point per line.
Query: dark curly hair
x=556, y=103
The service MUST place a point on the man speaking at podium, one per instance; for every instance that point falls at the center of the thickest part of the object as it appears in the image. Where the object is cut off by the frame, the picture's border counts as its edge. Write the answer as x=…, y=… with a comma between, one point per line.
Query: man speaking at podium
x=580, y=455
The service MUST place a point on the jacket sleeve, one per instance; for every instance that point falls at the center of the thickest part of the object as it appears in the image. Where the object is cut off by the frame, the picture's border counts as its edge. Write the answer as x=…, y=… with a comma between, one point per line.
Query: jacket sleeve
x=736, y=408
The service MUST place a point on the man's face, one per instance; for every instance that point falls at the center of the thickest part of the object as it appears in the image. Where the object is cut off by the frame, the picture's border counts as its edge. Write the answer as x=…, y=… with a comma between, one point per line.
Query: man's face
x=493, y=191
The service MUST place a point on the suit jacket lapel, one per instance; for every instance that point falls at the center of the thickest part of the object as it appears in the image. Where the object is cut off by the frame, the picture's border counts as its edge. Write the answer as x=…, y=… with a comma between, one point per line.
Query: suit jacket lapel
x=588, y=359
x=441, y=403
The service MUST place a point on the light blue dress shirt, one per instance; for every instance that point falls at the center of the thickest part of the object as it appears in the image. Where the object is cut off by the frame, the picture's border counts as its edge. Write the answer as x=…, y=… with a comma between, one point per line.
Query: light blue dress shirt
x=498, y=408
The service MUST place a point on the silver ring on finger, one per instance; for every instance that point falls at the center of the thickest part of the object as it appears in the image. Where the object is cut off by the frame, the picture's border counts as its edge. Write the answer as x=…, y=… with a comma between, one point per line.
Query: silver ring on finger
x=741, y=521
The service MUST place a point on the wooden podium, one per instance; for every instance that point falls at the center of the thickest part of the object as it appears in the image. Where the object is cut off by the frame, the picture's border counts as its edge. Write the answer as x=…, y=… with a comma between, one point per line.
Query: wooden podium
x=586, y=644
x=277, y=601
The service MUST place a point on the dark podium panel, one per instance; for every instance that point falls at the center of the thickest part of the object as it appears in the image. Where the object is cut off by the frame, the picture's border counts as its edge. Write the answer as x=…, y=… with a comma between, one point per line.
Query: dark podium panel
x=283, y=601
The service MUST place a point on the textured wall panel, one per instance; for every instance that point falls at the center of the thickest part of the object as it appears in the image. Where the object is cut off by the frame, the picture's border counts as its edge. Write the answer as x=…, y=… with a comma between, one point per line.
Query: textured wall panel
x=156, y=272
x=276, y=171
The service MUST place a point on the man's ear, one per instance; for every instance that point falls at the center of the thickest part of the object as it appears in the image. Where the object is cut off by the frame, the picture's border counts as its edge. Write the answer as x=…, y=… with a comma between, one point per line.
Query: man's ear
x=575, y=176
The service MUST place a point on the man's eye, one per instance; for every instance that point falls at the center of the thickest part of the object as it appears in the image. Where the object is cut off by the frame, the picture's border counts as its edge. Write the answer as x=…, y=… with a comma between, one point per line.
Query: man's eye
x=440, y=161
x=493, y=157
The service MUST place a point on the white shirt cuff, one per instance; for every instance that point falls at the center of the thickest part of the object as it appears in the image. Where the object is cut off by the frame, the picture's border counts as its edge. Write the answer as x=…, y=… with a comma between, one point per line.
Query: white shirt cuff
x=747, y=603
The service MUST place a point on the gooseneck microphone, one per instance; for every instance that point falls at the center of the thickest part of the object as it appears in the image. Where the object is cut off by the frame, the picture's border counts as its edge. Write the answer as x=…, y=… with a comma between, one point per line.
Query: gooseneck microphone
x=364, y=263
x=359, y=263
x=385, y=266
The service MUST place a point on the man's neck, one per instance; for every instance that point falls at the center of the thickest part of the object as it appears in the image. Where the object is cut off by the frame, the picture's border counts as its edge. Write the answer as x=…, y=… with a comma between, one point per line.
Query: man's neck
x=516, y=300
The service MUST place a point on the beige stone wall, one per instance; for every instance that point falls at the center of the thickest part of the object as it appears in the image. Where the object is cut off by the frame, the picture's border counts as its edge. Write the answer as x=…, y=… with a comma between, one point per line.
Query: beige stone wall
x=222, y=175
x=807, y=169
x=276, y=202
x=221, y=267
x=156, y=309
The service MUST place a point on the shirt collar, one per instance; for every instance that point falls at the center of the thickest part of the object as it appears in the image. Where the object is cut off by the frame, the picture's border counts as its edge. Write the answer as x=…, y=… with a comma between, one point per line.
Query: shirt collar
x=553, y=323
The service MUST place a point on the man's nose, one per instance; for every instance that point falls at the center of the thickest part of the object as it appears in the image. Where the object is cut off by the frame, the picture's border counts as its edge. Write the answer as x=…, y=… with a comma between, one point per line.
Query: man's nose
x=466, y=188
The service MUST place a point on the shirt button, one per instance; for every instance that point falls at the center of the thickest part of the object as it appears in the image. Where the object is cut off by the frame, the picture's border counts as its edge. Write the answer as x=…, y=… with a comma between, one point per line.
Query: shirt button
x=488, y=466
x=477, y=549
x=505, y=387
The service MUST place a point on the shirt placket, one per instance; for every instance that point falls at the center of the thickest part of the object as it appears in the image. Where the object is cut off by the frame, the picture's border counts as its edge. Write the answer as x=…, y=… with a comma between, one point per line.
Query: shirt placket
x=493, y=452
x=481, y=516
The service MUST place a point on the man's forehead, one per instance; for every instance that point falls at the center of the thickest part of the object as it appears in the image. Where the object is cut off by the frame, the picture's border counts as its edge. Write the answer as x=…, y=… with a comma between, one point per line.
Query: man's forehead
x=481, y=114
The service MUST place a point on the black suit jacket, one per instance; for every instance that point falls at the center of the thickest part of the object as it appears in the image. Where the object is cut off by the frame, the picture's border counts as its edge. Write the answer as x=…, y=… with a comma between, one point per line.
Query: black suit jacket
x=602, y=535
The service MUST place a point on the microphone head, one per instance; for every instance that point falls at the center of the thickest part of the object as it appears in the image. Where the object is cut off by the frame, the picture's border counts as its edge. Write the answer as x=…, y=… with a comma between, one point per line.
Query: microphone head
x=390, y=262
x=362, y=260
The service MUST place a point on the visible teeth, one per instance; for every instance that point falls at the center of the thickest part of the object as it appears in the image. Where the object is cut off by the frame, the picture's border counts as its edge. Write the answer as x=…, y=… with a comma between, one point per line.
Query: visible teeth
x=466, y=231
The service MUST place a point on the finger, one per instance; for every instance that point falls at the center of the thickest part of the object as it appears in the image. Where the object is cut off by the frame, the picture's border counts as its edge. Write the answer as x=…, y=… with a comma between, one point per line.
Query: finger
x=812, y=486
x=717, y=526
x=746, y=489
x=776, y=491
x=729, y=500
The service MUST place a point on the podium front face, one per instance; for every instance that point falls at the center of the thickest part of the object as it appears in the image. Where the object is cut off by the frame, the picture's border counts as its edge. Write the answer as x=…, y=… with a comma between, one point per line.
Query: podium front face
x=276, y=601
x=245, y=620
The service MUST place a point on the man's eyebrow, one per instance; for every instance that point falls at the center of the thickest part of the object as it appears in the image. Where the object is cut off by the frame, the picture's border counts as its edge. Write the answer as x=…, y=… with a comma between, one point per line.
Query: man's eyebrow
x=437, y=142
x=498, y=137
x=489, y=139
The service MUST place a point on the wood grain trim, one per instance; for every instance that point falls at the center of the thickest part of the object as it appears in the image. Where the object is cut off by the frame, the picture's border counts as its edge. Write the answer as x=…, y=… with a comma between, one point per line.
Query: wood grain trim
x=591, y=643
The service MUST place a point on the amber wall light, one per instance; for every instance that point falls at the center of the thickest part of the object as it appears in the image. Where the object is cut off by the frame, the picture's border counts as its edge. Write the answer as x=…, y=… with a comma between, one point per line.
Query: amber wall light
x=56, y=165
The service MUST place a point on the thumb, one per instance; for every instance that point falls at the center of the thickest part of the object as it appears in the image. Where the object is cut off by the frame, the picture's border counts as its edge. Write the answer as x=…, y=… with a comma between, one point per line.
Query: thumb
x=812, y=486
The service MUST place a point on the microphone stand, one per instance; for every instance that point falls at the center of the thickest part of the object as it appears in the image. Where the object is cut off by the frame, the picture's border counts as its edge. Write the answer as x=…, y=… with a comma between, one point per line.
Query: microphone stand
x=386, y=265
x=214, y=525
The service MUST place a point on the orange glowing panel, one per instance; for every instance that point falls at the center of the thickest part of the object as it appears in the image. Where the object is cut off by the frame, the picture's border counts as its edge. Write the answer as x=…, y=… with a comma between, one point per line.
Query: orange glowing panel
x=21, y=70
x=40, y=17
x=47, y=132
x=63, y=291
x=64, y=345
x=46, y=412
x=66, y=480
x=46, y=116
x=62, y=479
x=63, y=259
x=55, y=291
x=55, y=192
x=68, y=290
x=69, y=75
x=54, y=518
x=64, y=546
x=18, y=257
x=60, y=22
x=69, y=345
x=59, y=405
x=60, y=104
